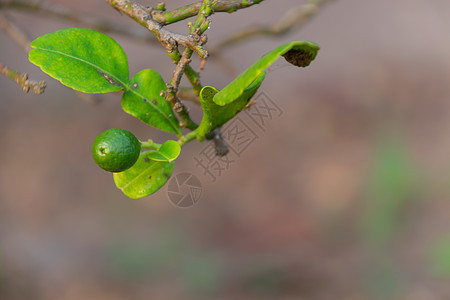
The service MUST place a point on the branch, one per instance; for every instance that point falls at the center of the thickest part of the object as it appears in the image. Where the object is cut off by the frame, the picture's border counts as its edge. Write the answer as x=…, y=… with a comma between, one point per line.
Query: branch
x=191, y=74
x=14, y=32
x=170, y=41
x=294, y=17
x=22, y=80
x=62, y=13
x=196, y=30
x=172, y=89
x=193, y=9
x=142, y=15
x=188, y=94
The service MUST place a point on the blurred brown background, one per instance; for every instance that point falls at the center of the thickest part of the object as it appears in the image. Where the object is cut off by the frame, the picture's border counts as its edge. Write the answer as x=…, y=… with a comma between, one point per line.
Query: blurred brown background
x=344, y=196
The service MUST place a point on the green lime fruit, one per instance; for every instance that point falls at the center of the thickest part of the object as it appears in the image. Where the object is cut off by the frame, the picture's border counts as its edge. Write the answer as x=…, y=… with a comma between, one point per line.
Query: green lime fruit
x=116, y=150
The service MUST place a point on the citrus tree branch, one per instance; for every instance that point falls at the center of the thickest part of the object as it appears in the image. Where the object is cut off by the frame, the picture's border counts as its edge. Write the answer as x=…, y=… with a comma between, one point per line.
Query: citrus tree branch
x=191, y=74
x=171, y=41
x=172, y=89
x=143, y=16
x=193, y=9
x=38, y=87
x=200, y=25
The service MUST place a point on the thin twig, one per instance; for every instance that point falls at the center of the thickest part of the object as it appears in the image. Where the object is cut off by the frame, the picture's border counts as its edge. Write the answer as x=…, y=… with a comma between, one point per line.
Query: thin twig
x=196, y=30
x=38, y=87
x=226, y=65
x=60, y=12
x=172, y=89
x=14, y=32
x=188, y=94
x=293, y=18
x=193, y=9
x=142, y=15
x=171, y=41
x=179, y=70
x=202, y=66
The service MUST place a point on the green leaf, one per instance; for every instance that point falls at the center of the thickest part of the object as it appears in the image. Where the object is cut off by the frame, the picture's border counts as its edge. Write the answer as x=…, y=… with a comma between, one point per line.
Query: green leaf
x=168, y=151
x=144, y=178
x=215, y=115
x=82, y=59
x=143, y=100
x=299, y=53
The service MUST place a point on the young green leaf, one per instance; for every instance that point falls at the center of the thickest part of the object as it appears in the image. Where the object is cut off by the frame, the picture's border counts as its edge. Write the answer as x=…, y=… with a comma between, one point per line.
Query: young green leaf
x=168, y=151
x=143, y=100
x=299, y=53
x=82, y=59
x=144, y=178
x=215, y=115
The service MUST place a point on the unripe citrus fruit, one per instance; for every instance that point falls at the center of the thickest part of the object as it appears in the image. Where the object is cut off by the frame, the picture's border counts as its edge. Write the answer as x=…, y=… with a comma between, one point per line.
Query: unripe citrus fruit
x=116, y=150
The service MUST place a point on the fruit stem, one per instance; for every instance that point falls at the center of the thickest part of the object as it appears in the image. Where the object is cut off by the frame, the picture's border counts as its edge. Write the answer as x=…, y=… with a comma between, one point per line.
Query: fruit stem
x=150, y=144
x=187, y=138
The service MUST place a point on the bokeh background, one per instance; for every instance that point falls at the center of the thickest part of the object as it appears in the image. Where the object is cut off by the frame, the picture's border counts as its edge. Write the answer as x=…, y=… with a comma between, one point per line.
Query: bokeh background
x=344, y=196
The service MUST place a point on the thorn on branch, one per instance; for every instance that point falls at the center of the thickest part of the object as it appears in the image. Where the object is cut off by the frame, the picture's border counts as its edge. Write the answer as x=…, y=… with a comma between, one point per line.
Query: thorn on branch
x=202, y=66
